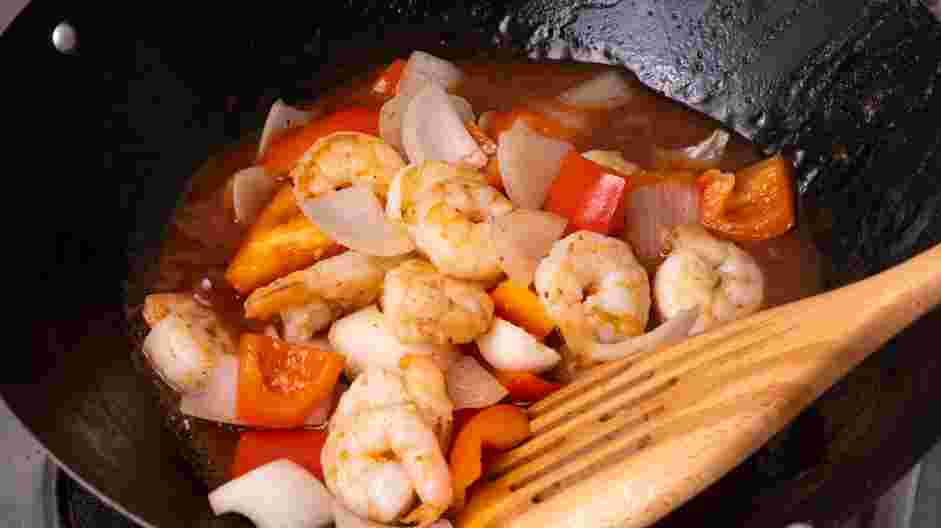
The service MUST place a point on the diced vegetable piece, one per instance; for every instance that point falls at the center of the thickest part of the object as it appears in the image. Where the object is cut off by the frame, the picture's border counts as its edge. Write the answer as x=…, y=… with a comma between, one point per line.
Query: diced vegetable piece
x=529, y=164
x=181, y=353
x=355, y=218
x=755, y=203
x=471, y=386
x=589, y=195
x=217, y=401
x=522, y=307
x=653, y=211
x=423, y=69
x=509, y=347
x=433, y=129
x=281, y=117
x=388, y=81
x=605, y=91
x=499, y=427
x=526, y=386
x=288, y=147
x=704, y=155
x=281, y=241
x=522, y=238
x=252, y=189
x=280, y=383
x=257, y=448
x=276, y=495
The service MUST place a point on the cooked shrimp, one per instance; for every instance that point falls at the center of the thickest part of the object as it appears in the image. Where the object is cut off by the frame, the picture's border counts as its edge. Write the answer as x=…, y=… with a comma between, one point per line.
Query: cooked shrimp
x=453, y=227
x=594, y=289
x=185, y=341
x=717, y=276
x=415, y=180
x=422, y=305
x=382, y=448
x=309, y=300
x=343, y=159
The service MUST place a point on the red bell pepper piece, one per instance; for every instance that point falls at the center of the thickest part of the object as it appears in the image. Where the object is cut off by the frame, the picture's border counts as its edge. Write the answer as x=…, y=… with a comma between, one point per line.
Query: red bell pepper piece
x=590, y=195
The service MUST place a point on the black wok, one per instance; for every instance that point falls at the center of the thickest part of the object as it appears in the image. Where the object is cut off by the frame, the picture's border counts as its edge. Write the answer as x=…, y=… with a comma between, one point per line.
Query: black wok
x=106, y=137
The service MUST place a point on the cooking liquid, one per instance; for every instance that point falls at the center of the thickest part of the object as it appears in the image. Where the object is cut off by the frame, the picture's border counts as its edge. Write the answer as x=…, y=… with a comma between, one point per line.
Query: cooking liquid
x=205, y=236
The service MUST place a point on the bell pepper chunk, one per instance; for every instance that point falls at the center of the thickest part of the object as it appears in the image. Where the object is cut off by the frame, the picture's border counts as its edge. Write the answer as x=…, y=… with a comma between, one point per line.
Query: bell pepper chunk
x=288, y=147
x=281, y=241
x=499, y=427
x=590, y=195
x=257, y=448
x=525, y=386
x=523, y=308
x=388, y=81
x=755, y=203
x=280, y=383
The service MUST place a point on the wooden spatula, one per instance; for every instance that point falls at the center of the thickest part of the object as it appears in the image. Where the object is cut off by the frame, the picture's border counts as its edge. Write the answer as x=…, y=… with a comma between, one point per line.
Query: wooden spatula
x=633, y=439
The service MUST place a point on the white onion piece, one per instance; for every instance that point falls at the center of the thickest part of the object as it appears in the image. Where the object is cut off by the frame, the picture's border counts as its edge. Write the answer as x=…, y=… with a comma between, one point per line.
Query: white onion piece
x=509, y=347
x=651, y=213
x=423, y=68
x=392, y=111
x=252, y=189
x=280, y=494
x=433, y=130
x=522, y=238
x=470, y=386
x=280, y=118
x=217, y=402
x=704, y=155
x=364, y=340
x=669, y=333
x=354, y=217
x=529, y=163
x=605, y=91
x=182, y=353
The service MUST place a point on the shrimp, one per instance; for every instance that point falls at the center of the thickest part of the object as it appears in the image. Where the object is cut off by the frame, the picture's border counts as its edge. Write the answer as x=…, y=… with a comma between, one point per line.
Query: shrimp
x=415, y=180
x=309, y=300
x=594, y=289
x=185, y=340
x=383, y=448
x=717, y=276
x=454, y=227
x=343, y=159
x=422, y=305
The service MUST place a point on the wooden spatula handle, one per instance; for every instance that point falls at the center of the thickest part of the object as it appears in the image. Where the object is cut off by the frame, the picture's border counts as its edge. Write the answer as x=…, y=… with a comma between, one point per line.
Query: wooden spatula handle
x=729, y=391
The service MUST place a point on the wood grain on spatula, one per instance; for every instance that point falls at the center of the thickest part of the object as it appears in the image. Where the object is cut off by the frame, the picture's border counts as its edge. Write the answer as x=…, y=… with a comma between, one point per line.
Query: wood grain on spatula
x=632, y=440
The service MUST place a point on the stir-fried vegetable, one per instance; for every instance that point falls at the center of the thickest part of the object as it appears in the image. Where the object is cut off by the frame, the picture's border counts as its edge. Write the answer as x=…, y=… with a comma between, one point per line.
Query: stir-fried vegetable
x=498, y=427
x=755, y=203
x=509, y=347
x=257, y=448
x=281, y=241
x=280, y=383
x=280, y=118
x=522, y=307
x=589, y=195
x=523, y=237
x=526, y=386
x=653, y=211
x=702, y=156
x=529, y=164
x=252, y=189
x=287, y=148
x=470, y=386
x=276, y=495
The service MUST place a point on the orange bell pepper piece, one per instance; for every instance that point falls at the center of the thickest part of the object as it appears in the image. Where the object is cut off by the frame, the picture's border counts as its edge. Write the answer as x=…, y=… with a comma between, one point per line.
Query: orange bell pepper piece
x=499, y=427
x=279, y=383
x=257, y=448
x=525, y=386
x=755, y=203
x=388, y=81
x=281, y=241
x=288, y=147
x=589, y=195
x=523, y=308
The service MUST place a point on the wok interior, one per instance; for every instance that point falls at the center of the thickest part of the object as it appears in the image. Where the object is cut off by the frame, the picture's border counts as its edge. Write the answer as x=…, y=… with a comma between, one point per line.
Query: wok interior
x=80, y=394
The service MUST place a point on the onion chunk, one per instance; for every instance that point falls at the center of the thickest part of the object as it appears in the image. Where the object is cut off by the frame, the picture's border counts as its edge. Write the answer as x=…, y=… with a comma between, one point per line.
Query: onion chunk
x=509, y=347
x=606, y=91
x=522, y=238
x=252, y=189
x=280, y=118
x=470, y=386
x=433, y=129
x=280, y=494
x=354, y=217
x=529, y=163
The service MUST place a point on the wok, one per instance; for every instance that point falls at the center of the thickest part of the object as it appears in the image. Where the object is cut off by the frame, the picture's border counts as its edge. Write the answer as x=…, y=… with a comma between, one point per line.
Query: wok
x=107, y=135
